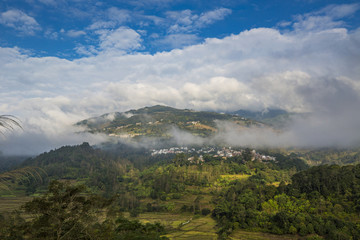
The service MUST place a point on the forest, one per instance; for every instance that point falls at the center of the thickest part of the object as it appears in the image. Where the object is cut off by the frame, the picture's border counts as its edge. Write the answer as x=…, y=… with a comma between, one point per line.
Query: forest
x=83, y=192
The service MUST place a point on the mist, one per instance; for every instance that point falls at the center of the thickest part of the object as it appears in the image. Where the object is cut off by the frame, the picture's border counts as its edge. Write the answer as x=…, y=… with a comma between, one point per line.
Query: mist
x=333, y=122
x=31, y=143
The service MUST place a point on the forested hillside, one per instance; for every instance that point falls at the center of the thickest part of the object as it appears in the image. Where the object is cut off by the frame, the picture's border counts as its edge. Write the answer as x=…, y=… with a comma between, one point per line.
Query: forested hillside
x=323, y=200
x=276, y=194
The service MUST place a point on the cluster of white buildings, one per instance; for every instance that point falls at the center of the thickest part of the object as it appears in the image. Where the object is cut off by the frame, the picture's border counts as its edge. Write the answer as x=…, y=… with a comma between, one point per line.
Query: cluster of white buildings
x=228, y=152
x=261, y=157
x=212, y=151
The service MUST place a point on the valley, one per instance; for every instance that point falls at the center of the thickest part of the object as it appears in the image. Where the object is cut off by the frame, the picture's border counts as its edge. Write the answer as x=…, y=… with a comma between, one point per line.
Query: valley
x=174, y=191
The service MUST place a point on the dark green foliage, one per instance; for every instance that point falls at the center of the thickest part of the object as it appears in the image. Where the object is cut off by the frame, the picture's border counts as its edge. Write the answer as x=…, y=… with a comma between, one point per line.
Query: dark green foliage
x=320, y=200
x=12, y=226
x=94, y=167
x=138, y=156
x=247, y=155
x=288, y=162
x=64, y=212
x=68, y=212
x=133, y=229
x=332, y=156
x=134, y=212
x=205, y=211
x=328, y=180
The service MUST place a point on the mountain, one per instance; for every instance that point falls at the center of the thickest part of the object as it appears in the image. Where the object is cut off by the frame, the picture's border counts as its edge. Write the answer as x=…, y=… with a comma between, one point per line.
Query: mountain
x=157, y=121
x=260, y=115
x=82, y=163
x=8, y=163
x=277, y=118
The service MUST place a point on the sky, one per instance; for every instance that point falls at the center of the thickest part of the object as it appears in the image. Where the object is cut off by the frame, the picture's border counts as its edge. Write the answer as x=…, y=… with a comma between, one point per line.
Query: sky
x=62, y=61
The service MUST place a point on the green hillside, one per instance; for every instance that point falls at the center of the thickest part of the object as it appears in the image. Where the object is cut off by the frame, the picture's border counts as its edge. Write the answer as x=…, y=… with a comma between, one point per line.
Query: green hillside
x=173, y=190
x=81, y=163
x=157, y=121
x=225, y=193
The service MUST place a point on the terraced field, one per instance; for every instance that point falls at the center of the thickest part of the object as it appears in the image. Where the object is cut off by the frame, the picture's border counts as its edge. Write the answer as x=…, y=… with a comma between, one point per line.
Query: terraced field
x=183, y=226
x=8, y=204
x=243, y=235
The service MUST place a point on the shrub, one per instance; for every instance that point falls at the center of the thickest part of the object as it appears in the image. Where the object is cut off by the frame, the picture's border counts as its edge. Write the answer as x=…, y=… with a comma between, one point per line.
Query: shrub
x=205, y=211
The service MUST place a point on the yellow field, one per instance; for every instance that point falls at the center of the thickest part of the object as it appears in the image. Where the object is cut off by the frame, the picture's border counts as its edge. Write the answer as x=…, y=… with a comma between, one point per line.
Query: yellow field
x=202, y=126
x=189, y=227
x=231, y=177
x=184, y=226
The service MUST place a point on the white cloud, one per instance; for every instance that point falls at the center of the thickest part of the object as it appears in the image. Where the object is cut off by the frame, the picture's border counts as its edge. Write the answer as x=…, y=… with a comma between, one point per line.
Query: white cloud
x=328, y=17
x=119, y=15
x=219, y=90
x=303, y=71
x=111, y=18
x=122, y=39
x=178, y=40
x=186, y=21
x=75, y=33
x=20, y=21
x=155, y=19
x=102, y=25
x=340, y=11
x=117, y=41
x=180, y=24
x=86, y=50
x=51, y=34
x=49, y=125
x=212, y=16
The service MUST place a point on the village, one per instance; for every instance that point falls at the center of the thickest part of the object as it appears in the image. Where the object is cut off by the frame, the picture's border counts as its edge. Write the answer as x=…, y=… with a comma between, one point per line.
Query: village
x=224, y=153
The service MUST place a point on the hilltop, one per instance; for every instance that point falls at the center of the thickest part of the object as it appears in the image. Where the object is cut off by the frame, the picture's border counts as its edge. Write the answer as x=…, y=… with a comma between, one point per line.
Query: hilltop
x=158, y=121
x=276, y=118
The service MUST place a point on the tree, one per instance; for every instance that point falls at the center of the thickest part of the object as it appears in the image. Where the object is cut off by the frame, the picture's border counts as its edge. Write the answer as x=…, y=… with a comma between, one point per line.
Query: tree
x=64, y=212
x=11, y=226
x=133, y=229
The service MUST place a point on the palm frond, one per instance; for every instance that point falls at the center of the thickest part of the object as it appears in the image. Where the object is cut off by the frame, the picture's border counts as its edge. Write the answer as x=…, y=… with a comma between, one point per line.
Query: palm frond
x=9, y=122
x=22, y=174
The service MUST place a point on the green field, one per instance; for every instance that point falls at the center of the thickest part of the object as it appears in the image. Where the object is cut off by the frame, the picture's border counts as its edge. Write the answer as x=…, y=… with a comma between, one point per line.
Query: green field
x=183, y=226
x=244, y=235
x=8, y=204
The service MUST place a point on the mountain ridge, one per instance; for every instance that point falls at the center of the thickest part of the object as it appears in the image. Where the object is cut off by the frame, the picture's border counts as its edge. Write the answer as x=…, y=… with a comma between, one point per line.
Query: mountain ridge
x=158, y=120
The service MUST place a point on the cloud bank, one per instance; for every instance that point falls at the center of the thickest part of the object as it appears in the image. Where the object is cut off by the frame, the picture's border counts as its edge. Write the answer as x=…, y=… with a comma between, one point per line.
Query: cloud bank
x=306, y=69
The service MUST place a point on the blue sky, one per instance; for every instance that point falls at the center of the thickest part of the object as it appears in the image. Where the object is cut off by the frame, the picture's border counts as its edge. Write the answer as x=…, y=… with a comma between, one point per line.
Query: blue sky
x=74, y=29
x=63, y=61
